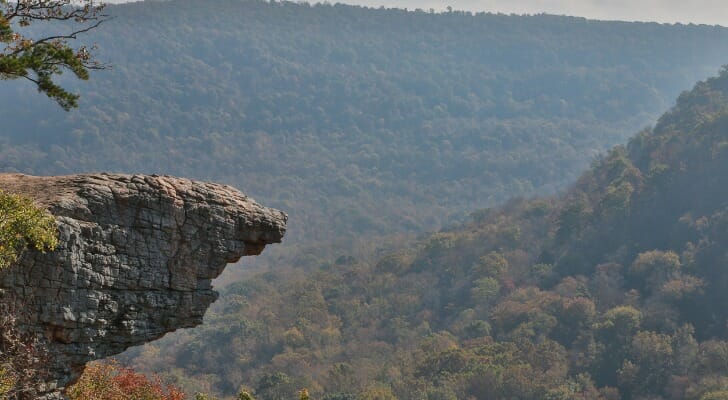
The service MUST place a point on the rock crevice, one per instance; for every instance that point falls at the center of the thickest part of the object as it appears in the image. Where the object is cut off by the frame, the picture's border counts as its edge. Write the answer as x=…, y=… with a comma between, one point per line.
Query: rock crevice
x=135, y=260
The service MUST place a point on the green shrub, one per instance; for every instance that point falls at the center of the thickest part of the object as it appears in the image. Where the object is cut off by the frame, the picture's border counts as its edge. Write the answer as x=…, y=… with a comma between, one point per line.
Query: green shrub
x=23, y=225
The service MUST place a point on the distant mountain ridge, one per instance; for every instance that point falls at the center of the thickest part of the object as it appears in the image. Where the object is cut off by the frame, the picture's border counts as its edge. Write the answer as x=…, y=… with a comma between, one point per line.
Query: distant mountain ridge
x=357, y=121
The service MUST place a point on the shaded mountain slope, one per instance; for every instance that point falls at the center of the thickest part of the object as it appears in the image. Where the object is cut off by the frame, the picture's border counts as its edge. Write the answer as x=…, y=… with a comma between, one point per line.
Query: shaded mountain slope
x=616, y=289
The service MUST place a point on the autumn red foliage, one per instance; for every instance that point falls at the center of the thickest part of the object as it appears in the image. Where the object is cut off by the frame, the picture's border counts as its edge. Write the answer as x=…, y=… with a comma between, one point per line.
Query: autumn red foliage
x=110, y=381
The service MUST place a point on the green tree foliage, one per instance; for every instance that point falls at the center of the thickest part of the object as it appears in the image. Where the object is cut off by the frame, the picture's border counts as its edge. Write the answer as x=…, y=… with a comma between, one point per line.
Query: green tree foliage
x=717, y=395
x=7, y=382
x=655, y=268
x=244, y=395
x=626, y=306
x=620, y=321
x=40, y=58
x=23, y=225
x=612, y=290
x=314, y=109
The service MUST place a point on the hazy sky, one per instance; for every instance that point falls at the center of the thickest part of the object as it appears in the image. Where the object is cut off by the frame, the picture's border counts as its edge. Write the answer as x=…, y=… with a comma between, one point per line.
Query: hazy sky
x=713, y=12
x=695, y=11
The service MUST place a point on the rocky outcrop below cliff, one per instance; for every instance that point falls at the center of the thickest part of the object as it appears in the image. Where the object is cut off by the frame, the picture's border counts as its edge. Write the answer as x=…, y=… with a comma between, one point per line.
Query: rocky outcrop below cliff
x=136, y=258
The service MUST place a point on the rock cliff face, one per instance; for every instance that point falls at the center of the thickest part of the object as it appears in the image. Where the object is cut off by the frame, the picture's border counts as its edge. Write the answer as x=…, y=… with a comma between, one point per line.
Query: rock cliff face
x=136, y=258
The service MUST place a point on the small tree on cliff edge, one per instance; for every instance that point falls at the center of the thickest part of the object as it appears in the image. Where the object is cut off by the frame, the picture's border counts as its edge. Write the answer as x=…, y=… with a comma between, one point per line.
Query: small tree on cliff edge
x=23, y=225
x=40, y=59
x=22, y=355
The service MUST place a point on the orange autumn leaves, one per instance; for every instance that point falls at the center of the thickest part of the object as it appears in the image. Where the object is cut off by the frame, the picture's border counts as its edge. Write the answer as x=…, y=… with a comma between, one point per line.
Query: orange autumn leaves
x=109, y=381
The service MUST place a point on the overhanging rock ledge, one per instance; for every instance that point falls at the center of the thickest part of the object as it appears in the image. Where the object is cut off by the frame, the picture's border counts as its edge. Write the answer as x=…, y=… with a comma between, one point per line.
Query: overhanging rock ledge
x=135, y=260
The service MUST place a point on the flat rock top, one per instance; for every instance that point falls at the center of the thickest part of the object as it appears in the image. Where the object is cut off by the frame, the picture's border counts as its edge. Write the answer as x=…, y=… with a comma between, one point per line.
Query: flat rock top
x=49, y=191
x=75, y=195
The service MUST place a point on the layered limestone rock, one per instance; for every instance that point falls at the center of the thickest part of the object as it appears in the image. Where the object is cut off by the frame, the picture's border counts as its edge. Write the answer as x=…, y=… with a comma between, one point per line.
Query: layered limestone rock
x=136, y=258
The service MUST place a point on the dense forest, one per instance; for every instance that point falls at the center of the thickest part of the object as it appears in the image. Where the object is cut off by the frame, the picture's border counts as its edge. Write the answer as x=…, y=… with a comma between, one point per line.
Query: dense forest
x=614, y=290
x=369, y=126
x=356, y=121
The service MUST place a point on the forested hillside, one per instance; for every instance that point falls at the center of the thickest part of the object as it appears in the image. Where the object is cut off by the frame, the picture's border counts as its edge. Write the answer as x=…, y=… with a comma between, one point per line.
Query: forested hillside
x=616, y=289
x=372, y=123
x=357, y=121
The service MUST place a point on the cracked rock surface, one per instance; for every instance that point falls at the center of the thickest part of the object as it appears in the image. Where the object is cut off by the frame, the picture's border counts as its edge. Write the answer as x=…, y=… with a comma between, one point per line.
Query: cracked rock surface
x=135, y=260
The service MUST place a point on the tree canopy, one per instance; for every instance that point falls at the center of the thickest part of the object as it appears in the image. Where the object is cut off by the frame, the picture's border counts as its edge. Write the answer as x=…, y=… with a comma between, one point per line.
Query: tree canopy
x=615, y=289
x=39, y=58
x=314, y=109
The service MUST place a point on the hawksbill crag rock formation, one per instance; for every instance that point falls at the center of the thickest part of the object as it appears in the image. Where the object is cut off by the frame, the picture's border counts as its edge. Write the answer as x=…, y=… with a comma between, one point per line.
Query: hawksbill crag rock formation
x=136, y=257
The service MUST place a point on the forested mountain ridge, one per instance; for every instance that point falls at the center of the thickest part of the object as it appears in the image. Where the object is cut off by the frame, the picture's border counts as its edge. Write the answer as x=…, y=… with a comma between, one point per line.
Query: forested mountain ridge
x=361, y=122
x=614, y=290
x=355, y=120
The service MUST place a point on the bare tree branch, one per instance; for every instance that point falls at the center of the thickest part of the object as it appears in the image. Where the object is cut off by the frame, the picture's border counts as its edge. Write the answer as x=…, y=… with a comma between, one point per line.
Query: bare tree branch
x=72, y=35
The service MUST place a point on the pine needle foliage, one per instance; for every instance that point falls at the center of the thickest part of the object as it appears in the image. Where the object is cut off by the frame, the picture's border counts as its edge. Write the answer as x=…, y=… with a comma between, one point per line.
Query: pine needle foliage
x=40, y=59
